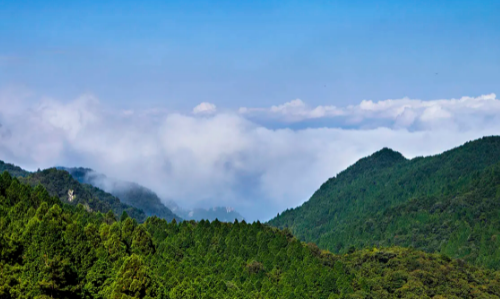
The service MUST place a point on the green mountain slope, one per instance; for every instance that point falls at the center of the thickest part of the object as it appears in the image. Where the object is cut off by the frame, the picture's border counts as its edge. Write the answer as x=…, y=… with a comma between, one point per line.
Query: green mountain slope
x=54, y=250
x=446, y=203
x=13, y=170
x=145, y=199
x=59, y=182
x=129, y=193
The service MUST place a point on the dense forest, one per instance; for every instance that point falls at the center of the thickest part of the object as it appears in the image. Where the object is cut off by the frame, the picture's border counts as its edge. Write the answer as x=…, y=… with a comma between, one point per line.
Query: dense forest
x=448, y=203
x=129, y=193
x=51, y=249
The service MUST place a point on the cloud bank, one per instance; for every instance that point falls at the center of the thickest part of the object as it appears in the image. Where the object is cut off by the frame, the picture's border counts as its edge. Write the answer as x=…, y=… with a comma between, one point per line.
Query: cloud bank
x=406, y=113
x=209, y=158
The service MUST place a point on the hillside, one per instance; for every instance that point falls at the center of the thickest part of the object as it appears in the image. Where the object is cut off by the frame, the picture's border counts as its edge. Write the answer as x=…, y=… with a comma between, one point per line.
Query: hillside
x=446, y=203
x=55, y=250
x=145, y=199
x=13, y=169
x=129, y=193
x=59, y=182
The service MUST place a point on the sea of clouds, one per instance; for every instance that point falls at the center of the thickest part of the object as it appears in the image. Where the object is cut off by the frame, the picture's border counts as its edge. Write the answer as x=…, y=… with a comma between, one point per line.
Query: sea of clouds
x=212, y=157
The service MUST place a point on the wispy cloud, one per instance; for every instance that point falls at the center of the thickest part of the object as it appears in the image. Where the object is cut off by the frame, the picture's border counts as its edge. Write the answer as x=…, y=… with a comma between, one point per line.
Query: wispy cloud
x=401, y=113
x=229, y=158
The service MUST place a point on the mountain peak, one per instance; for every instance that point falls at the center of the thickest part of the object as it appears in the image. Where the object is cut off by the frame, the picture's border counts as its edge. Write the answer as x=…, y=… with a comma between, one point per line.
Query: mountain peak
x=385, y=199
x=386, y=154
x=383, y=158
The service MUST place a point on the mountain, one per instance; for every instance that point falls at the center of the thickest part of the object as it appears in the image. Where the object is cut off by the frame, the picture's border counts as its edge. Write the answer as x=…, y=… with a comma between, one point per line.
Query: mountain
x=447, y=203
x=130, y=193
x=55, y=250
x=141, y=197
x=60, y=183
x=13, y=169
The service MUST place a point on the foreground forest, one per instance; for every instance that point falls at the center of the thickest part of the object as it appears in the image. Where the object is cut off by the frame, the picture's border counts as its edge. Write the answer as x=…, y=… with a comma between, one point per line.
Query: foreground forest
x=50, y=249
x=448, y=203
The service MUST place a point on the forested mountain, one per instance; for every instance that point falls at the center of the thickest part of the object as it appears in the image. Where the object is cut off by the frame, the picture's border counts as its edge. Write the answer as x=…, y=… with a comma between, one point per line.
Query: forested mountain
x=61, y=184
x=143, y=198
x=448, y=203
x=129, y=193
x=50, y=249
x=13, y=170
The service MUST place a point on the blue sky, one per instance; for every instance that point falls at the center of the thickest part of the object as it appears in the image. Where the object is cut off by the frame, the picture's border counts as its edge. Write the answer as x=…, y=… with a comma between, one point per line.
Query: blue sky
x=241, y=53
x=248, y=104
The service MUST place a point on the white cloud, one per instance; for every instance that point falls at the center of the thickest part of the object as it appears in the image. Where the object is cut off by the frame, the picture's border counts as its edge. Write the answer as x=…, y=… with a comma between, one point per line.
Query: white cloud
x=205, y=108
x=225, y=158
x=401, y=113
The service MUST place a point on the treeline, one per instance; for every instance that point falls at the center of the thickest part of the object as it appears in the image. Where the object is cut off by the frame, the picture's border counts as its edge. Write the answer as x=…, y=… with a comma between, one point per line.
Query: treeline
x=448, y=203
x=50, y=249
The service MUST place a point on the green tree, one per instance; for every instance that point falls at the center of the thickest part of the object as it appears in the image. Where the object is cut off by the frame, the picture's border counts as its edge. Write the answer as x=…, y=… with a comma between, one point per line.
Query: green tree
x=133, y=280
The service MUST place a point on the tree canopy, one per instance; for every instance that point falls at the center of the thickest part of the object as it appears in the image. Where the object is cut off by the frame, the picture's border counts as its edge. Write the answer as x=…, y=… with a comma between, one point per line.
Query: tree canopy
x=53, y=249
x=448, y=203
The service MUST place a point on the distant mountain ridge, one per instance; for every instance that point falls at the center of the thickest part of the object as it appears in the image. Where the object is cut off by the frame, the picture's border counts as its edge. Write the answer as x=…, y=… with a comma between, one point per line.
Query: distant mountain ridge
x=147, y=200
x=14, y=170
x=61, y=184
x=130, y=193
x=446, y=203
